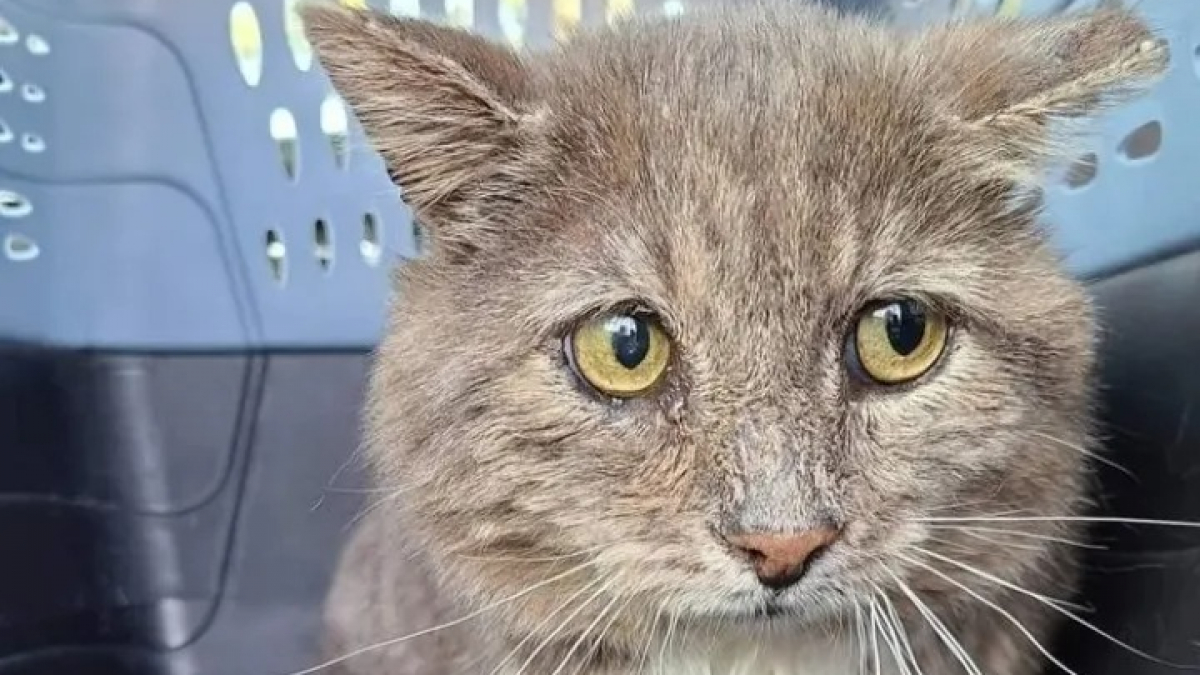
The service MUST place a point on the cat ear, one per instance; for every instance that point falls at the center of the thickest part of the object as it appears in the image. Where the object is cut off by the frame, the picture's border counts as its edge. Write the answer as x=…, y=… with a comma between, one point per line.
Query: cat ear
x=451, y=113
x=1026, y=85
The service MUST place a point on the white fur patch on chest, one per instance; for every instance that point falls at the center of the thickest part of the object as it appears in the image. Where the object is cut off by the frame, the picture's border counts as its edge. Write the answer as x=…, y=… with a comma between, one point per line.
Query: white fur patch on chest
x=769, y=657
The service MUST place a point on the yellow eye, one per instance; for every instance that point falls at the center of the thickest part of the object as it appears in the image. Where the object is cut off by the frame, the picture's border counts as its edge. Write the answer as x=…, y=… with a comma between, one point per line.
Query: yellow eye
x=621, y=355
x=898, y=341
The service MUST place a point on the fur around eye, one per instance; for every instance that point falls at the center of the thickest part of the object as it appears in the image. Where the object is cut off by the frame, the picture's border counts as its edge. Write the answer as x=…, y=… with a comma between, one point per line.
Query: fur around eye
x=896, y=341
x=623, y=354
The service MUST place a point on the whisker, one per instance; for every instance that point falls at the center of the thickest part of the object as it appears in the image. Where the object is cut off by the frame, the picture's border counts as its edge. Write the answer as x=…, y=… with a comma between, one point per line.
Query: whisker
x=562, y=626
x=1060, y=519
x=600, y=638
x=1090, y=454
x=888, y=631
x=449, y=624
x=948, y=639
x=650, y=638
x=998, y=609
x=515, y=558
x=1054, y=604
x=875, y=638
x=544, y=622
x=902, y=630
x=1019, y=533
x=587, y=631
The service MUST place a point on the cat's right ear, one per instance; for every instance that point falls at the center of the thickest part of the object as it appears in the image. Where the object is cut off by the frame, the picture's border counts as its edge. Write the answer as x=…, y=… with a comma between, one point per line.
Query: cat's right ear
x=452, y=114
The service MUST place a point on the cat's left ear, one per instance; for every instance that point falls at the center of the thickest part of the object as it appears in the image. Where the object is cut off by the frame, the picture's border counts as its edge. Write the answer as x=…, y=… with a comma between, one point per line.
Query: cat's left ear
x=1025, y=87
x=453, y=115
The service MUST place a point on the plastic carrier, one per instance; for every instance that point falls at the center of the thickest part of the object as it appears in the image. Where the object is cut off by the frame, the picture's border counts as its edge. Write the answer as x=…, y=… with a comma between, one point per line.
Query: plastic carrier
x=195, y=242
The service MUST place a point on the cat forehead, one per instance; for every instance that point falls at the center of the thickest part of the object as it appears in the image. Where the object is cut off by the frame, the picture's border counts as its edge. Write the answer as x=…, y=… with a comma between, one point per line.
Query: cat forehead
x=737, y=180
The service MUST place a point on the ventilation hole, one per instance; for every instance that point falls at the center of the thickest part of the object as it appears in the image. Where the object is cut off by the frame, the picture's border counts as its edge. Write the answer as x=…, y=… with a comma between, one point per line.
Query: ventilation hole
x=33, y=144
x=567, y=15
x=323, y=245
x=369, y=247
x=276, y=257
x=20, y=248
x=461, y=13
x=14, y=205
x=6, y=133
x=33, y=93
x=293, y=28
x=618, y=10
x=512, y=16
x=37, y=45
x=673, y=8
x=1082, y=171
x=1143, y=142
x=335, y=125
x=409, y=8
x=283, y=131
x=8, y=33
x=245, y=36
x=6, y=83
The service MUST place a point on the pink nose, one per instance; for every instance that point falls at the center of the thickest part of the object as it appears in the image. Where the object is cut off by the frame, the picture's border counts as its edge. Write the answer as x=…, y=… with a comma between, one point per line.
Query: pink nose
x=780, y=560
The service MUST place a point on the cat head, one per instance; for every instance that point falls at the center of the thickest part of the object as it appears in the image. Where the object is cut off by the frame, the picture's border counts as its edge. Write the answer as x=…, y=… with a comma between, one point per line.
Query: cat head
x=720, y=314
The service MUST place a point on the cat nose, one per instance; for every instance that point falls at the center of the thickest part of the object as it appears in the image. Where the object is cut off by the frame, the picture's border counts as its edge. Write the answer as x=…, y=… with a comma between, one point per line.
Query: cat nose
x=780, y=560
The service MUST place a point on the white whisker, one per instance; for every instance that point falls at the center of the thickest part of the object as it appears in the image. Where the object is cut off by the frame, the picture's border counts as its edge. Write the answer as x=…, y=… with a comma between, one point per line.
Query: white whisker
x=449, y=624
x=1052, y=603
x=599, y=641
x=948, y=639
x=1090, y=454
x=544, y=622
x=1059, y=519
x=1019, y=533
x=587, y=631
x=562, y=626
x=998, y=609
x=888, y=631
x=902, y=631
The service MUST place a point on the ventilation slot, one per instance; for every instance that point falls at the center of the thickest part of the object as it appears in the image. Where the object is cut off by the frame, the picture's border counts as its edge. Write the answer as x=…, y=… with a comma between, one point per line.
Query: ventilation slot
x=335, y=125
x=245, y=36
x=37, y=45
x=20, y=248
x=461, y=13
x=323, y=245
x=370, y=246
x=1142, y=143
x=14, y=205
x=9, y=35
x=33, y=144
x=512, y=16
x=409, y=8
x=6, y=83
x=6, y=132
x=276, y=257
x=283, y=131
x=1082, y=171
x=33, y=93
x=293, y=28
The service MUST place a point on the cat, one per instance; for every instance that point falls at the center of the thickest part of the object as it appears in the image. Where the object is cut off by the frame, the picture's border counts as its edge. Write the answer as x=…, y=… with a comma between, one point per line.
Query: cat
x=736, y=346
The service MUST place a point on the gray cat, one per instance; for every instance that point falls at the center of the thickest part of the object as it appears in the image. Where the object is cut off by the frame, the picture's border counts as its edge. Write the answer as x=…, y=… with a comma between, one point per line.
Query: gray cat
x=736, y=348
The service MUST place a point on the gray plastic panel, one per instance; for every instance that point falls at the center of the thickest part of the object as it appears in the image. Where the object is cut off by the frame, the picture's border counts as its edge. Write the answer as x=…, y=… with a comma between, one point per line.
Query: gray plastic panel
x=140, y=179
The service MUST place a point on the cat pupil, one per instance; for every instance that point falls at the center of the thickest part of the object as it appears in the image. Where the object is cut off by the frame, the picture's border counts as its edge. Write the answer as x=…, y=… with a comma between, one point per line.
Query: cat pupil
x=630, y=340
x=905, y=322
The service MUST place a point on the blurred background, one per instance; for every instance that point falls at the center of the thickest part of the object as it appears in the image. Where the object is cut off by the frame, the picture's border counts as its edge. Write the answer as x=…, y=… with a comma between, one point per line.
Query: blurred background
x=194, y=247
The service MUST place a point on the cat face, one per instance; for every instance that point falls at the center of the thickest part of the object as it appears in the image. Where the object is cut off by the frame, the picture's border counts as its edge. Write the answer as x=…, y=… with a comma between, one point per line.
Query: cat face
x=721, y=315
